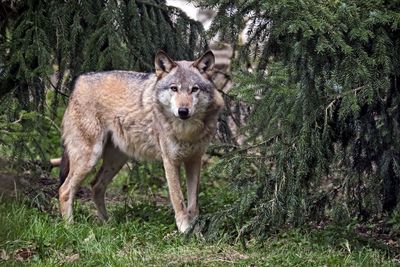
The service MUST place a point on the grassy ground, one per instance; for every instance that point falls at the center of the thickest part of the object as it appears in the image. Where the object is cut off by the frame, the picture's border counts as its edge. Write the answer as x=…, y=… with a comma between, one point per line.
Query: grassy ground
x=141, y=232
x=145, y=234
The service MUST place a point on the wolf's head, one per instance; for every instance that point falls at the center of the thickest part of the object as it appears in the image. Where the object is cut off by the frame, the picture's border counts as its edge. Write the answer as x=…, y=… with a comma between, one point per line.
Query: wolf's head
x=184, y=89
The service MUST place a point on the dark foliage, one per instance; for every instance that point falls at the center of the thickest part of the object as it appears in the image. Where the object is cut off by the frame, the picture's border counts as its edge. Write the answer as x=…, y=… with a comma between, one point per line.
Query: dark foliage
x=45, y=45
x=323, y=136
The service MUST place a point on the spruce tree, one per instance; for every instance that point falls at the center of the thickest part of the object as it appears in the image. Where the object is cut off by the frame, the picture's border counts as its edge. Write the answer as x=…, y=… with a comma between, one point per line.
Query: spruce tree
x=322, y=137
x=45, y=45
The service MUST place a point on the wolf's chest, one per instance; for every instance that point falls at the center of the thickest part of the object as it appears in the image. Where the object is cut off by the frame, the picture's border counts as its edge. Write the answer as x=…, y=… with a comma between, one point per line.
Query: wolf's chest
x=184, y=149
x=184, y=139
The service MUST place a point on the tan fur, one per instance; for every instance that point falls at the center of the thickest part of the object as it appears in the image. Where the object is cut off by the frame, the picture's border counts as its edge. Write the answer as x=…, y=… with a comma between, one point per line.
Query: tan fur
x=119, y=114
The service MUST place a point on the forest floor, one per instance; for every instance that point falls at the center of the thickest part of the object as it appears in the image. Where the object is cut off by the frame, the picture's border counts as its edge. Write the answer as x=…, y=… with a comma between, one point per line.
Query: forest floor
x=142, y=232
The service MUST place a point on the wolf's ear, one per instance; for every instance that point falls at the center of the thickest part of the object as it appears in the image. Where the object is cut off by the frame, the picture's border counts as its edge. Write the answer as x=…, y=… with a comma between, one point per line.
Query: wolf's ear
x=163, y=63
x=205, y=63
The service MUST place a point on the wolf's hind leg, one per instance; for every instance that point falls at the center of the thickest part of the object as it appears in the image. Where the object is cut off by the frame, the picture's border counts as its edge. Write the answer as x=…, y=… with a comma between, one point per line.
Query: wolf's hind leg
x=113, y=160
x=79, y=167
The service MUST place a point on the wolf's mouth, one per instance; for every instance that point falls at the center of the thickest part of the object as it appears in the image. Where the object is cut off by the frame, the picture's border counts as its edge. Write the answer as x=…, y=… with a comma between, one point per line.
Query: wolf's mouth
x=184, y=117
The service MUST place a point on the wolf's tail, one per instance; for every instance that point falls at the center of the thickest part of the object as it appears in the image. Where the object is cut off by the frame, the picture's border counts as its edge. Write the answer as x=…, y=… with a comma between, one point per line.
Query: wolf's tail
x=64, y=167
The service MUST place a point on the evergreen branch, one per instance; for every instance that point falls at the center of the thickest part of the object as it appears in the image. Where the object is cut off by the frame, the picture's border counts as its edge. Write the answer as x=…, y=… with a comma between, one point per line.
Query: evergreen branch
x=51, y=121
x=55, y=88
x=151, y=4
x=242, y=230
x=256, y=145
x=339, y=97
x=238, y=153
x=17, y=121
x=224, y=94
x=6, y=131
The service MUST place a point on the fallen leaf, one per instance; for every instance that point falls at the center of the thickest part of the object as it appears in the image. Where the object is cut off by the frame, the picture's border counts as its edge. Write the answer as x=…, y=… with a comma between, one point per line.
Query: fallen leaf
x=4, y=256
x=90, y=237
x=72, y=258
x=24, y=254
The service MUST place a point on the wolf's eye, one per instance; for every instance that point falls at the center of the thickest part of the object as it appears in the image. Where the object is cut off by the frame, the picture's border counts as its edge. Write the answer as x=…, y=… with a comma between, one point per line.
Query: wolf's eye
x=195, y=89
x=174, y=88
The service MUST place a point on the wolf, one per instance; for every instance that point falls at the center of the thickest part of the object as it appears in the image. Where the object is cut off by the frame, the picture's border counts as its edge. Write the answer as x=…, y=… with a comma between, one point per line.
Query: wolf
x=170, y=115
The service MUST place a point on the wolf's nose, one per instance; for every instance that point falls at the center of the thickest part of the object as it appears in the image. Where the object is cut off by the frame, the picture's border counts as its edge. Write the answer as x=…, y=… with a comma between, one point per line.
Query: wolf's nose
x=183, y=113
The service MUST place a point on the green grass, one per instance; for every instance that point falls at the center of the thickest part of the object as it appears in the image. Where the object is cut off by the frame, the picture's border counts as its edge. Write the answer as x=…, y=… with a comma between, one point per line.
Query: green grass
x=145, y=235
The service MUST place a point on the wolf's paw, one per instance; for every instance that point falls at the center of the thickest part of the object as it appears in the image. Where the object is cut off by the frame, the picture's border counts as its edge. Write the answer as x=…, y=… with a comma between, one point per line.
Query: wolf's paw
x=183, y=224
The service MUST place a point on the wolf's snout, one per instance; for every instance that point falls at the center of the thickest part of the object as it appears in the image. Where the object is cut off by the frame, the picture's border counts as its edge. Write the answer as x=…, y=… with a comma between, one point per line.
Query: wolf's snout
x=183, y=113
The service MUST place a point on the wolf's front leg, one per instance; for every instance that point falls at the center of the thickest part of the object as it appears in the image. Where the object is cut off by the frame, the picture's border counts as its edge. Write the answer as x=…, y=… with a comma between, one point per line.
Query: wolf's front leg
x=175, y=192
x=192, y=167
